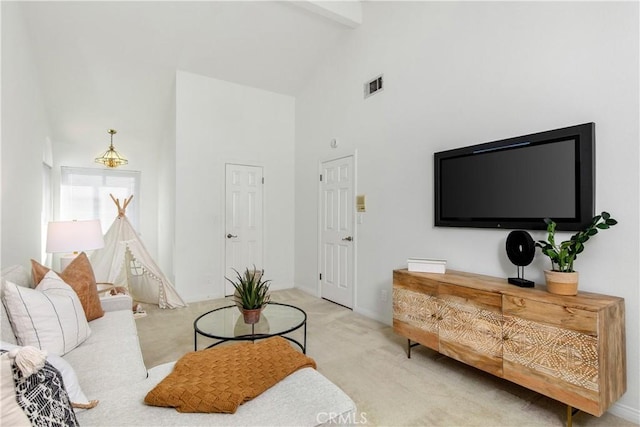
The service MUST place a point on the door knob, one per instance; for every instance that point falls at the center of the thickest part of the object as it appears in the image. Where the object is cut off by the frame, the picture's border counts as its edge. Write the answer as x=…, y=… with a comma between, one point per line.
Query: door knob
x=348, y=238
x=229, y=236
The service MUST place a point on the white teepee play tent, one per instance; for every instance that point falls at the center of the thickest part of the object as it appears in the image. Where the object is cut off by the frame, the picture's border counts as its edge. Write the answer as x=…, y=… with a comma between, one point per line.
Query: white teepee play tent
x=124, y=261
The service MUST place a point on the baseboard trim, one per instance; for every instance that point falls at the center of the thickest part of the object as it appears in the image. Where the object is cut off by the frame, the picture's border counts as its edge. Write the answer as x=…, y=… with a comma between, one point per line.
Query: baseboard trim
x=626, y=412
x=365, y=312
x=200, y=297
x=311, y=291
x=371, y=315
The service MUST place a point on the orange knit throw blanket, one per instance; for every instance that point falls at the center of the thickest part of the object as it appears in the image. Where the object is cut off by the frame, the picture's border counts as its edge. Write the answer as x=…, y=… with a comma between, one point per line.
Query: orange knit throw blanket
x=222, y=378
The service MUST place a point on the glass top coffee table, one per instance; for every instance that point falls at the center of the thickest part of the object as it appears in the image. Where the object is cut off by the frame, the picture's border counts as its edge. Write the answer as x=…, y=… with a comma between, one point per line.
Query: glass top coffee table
x=226, y=324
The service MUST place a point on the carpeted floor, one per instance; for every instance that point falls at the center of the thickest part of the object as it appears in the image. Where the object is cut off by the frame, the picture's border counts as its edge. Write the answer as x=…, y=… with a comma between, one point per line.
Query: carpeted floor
x=368, y=361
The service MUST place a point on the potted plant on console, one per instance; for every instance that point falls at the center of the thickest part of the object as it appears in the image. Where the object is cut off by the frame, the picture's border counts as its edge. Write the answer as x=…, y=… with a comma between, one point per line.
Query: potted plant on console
x=562, y=279
x=252, y=293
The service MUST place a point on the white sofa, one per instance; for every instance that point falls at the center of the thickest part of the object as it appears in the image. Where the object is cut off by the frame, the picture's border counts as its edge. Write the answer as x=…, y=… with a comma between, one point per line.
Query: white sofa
x=110, y=368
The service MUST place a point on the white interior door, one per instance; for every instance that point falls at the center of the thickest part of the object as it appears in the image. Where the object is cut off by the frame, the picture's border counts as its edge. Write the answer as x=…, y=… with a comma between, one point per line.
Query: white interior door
x=337, y=251
x=243, y=219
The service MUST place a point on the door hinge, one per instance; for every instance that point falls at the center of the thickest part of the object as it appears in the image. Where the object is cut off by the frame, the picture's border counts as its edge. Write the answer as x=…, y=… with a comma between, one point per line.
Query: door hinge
x=320, y=276
x=320, y=177
x=263, y=179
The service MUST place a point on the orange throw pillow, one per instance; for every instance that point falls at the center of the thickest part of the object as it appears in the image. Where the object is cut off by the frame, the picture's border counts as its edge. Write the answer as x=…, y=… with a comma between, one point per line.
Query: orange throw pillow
x=79, y=275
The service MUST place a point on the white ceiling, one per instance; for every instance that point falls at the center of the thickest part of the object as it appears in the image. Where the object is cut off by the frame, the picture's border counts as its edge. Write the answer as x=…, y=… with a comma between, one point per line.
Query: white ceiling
x=112, y=64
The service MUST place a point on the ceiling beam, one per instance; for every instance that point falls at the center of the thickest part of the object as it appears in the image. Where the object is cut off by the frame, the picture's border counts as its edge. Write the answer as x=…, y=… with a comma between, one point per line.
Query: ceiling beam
x=348, y=12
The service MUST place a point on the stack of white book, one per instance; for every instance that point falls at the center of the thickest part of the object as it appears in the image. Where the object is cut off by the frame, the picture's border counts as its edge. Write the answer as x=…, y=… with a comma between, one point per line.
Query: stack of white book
x=427, y=265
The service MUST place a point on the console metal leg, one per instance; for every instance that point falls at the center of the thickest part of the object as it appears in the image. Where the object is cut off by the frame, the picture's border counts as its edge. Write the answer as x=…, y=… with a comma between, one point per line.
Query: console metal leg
x=409, y=345
x=570, y=413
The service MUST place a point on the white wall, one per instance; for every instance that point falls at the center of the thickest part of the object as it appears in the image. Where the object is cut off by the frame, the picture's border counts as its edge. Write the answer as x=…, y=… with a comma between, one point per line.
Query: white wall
x=167, y=193
x=24, y=133
x=458, y=74
x=218, y=122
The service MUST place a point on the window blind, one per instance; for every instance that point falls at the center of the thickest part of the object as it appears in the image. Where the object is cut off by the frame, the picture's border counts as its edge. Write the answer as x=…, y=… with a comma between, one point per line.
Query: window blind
x=84, y=194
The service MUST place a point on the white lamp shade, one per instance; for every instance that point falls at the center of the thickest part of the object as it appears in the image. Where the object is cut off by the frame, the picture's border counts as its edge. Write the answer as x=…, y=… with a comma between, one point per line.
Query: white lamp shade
x=74, y=236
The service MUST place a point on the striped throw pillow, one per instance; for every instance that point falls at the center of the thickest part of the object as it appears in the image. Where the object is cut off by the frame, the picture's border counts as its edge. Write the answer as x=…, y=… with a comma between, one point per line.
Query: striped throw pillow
x=49, y=317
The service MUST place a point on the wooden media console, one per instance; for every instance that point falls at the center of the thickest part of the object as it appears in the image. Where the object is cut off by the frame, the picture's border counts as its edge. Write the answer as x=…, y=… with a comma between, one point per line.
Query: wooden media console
x=569, y=348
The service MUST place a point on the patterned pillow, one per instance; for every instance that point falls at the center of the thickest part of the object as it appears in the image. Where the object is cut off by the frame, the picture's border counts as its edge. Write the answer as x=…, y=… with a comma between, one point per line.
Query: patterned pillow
x=71, y=382
x=79, y=275
x=49, y=317
x=43, y=398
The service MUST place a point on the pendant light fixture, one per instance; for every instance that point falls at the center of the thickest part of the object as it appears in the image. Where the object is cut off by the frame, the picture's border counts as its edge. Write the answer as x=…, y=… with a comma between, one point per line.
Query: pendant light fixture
x=111, y=158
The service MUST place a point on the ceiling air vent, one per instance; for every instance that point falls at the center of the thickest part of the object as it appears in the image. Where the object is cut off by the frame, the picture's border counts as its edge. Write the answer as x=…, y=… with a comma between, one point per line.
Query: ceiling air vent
x=373, y=86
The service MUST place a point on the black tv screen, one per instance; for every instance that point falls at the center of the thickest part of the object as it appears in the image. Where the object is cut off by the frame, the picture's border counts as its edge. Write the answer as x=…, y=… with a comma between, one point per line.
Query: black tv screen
x=517, y=182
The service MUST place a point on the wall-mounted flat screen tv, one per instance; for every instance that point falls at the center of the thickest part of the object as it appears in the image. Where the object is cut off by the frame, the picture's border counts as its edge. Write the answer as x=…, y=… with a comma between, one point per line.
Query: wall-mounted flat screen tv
x=517, y=182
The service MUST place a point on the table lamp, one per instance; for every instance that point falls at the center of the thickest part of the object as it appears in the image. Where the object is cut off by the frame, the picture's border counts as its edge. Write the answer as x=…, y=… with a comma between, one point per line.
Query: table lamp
x=73, y=236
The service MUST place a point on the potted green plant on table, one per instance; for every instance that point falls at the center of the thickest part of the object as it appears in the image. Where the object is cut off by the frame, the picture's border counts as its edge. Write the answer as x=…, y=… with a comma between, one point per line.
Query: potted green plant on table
x=251, y=293
x=562, y=279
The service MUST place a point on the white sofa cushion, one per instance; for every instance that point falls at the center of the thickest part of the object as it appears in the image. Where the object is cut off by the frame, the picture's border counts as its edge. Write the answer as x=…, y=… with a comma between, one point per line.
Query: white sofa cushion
x=49, y=318
x=304, y=398
x=116, y=302
x=110, y=357
x=20, y=276
x=6, y=331
x=71, y=382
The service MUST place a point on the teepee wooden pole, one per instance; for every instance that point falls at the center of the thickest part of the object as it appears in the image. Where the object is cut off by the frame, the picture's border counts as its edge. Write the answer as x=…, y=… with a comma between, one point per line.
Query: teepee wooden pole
x=126, y=202
x=121, y=210
x=116, y=201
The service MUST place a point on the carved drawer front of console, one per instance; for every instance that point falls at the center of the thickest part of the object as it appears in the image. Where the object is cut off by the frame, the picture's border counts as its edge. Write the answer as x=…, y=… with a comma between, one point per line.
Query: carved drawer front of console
x=571, y=349
x=419, y=310
x=415, y=315
x=559, y=361
x=470, y=328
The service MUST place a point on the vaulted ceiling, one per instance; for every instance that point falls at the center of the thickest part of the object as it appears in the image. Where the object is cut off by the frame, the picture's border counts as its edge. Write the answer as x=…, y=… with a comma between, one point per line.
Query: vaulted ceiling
x=113, y=63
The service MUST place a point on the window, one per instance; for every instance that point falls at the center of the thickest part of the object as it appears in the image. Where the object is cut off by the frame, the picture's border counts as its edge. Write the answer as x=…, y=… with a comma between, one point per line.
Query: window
x=46, y=213
x=84, y=194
